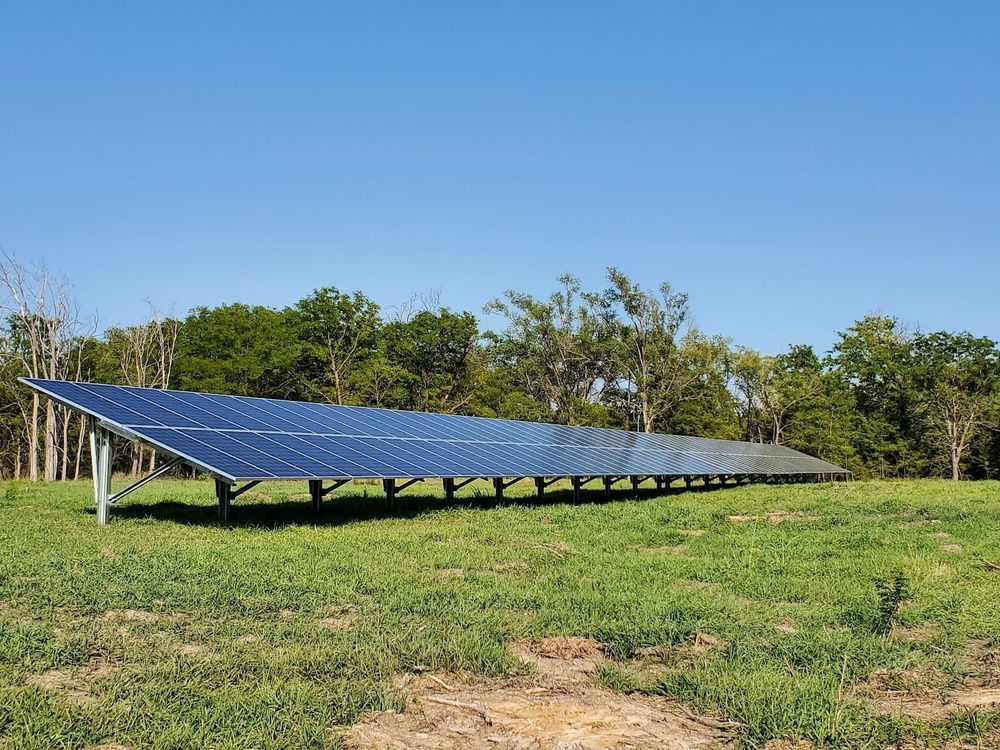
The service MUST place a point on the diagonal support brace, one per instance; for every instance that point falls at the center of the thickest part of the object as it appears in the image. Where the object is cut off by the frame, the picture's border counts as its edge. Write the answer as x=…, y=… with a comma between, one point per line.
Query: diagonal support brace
x=451, y=484
x=317, y=492
x=542, y=482
x=158, y=472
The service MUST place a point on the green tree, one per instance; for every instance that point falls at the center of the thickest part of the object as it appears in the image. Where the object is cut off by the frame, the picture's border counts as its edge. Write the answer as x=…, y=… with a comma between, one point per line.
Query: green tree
x=959, y=387
x=875, y=358
x=648, y=357
x=560, y=351
x=501, y=397
x=340, y=333
x=437, y=353
x=702, y=402
x=239, y=350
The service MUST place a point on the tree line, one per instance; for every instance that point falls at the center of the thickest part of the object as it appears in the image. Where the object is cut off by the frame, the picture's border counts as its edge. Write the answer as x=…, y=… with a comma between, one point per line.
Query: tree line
x=885, y=401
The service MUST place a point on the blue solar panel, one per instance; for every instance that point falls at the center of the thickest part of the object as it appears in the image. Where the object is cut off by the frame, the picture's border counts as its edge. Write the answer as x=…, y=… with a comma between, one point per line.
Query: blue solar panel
x=240, y=438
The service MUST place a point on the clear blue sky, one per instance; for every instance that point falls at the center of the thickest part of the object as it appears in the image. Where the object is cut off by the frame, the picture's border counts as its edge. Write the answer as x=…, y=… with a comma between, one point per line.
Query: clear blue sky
x=792, y=166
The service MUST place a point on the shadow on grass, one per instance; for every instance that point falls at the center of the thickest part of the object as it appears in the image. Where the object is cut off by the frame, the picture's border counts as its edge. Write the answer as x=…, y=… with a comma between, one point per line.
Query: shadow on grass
x=344, y=509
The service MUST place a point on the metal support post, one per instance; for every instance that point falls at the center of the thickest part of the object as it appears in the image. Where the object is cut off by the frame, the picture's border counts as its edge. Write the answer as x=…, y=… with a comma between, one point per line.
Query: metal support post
x=687, y=481
x=608, y=481
x=101, y=448
x=541, y=483
x=390, y=493
x=449, y=489
x=224, y=492
x=635, y=483
x=316, y=490
x=94, y=464
x=577, y=484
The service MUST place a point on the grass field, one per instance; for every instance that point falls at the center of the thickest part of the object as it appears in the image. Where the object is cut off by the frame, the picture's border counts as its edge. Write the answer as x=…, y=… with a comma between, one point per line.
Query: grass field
x=771, y=606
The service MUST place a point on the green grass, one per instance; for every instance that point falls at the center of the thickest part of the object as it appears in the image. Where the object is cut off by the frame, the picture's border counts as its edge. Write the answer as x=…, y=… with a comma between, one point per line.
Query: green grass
x=235, y=653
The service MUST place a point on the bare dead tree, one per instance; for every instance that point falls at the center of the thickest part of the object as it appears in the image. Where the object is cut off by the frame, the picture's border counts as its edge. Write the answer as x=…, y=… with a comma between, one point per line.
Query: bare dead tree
x=145, y=356
x=405, y=311
x=45, y=321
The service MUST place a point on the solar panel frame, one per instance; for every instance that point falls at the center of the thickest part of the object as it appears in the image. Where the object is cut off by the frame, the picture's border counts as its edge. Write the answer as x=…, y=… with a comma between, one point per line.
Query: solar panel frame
x=239, y=438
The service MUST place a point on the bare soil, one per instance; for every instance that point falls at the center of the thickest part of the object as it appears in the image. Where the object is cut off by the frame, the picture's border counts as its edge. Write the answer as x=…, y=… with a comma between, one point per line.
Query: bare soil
x=73, y=685
x=135, y=615
x=929, y=695
x=557, y=709
x=775, y=517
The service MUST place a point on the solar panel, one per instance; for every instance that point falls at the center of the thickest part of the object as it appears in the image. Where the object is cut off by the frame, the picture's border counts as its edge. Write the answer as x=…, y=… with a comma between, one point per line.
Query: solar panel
x=238, y=438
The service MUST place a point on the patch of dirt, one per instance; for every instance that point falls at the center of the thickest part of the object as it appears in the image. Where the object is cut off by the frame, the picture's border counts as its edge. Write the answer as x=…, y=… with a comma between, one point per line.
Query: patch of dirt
x=251, y=638
x=135, y=615
x=107, y=747
x=918, y=681
x=925, y=631
x=990, y=740
x=197, y=651
x=73, y=685
x=561, y=659
x=337, y=623
x=110, y=554
x=702, y=644
x=983, y=661
x=775, y=517
x=940, y=535
x=558, y=548
x=449, y=575
x=677, y=549
x=691, y=532
x=938, y=708
x=917, y=524
x=788, y=745
x=786, y=626
x=927, y=694
x=558, y=710
x=950, y=548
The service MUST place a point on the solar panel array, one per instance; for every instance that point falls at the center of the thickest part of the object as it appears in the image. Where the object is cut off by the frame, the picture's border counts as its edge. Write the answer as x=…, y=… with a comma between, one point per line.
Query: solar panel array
x=241, y=438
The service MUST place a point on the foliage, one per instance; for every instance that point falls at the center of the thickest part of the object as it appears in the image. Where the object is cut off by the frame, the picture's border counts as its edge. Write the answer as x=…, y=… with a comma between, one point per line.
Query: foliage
x=340, y=335
x=560, y=350
x=875, y=356
x=437, y=352
x=239, y=350
x=884, y=402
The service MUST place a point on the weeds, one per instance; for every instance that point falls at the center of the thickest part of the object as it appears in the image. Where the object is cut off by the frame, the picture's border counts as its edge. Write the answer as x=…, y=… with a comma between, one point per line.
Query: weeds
x=891, y=592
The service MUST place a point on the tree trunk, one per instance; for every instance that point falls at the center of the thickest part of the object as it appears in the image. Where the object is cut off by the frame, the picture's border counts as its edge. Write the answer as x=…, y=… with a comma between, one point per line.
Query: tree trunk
x=51, y=441
x=64, y=467
x=79, y=447
x=33, y=439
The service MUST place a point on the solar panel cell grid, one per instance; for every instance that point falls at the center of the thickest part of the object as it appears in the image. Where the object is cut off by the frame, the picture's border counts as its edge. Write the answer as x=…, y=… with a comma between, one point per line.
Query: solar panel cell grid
x=239, y=438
